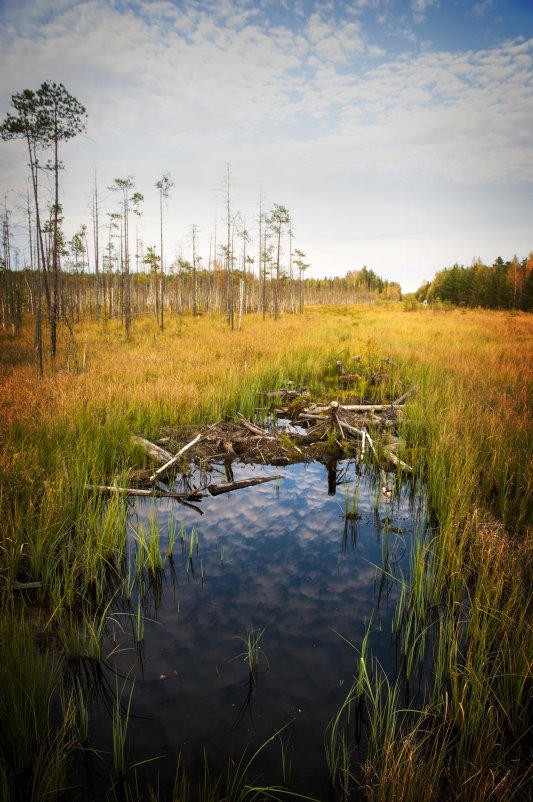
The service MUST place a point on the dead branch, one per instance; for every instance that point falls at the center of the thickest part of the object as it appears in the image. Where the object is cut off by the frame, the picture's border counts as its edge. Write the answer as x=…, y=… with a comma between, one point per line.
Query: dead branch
x=405, y=396
x=151, y=492
x=397, y=461
x=174, y=459
x=227, y=487
x=352, y=429
x=253, y=428
x=25, y=585
x=350, y=408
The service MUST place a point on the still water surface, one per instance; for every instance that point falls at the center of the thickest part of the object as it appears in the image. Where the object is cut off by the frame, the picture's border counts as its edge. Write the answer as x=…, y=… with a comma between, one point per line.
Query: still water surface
x=282, y=559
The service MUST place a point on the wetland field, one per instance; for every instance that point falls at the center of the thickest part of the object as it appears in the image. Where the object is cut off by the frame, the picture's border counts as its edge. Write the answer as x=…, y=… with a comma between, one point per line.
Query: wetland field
x=358, y=627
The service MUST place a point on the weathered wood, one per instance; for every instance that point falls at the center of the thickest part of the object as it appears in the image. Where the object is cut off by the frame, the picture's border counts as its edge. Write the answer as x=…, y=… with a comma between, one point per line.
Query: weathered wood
x=253, y=428
x=227, y=487
x=339, y=424
x=317, y=408
x=313, y=429
x=352, y=429
x=375, y=420
x=405, y=396
x=350, y=408
x=157, y=453
x=366, y=436
x=397, y=461
x=25, y=585
x=148, y=492
x=172, y=461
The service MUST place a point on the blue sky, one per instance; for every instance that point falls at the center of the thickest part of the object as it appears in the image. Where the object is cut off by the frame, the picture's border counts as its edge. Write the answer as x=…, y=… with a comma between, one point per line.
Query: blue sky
x=398, y=133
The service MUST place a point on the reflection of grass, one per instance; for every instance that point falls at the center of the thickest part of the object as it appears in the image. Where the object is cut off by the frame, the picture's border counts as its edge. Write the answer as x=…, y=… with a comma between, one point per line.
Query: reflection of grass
x=237, y=784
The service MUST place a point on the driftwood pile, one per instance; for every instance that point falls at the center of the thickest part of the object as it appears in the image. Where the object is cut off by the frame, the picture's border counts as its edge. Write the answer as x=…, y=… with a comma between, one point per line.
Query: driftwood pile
x=316, y=431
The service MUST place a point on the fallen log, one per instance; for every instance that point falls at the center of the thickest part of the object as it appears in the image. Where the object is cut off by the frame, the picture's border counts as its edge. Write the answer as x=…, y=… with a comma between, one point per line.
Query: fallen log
x=149, y=492
x=397, y=461
x=313, y=429
x=253, y=428
x=351, y=429
x=350, y=408
x=398, y=402
x=405, y=396
x=175, y=458
x=25, y=585
x=227, y=487
x=157, y=453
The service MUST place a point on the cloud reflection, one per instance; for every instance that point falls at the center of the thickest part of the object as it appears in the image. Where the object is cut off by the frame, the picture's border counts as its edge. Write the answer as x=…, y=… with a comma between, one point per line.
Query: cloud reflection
x=285, y=570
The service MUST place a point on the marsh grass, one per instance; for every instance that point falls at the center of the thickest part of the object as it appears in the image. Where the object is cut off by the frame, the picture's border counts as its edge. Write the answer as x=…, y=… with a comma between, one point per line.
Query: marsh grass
x=351, y=501
x=36, y=753
x=465, y=613
x=120, y=721
x=253, y=654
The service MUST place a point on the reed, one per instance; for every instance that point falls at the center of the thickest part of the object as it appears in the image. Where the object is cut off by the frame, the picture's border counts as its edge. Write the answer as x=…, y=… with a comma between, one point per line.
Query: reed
x=36, y=754
x=252, y=652
x=120, y=721
x=351, y=501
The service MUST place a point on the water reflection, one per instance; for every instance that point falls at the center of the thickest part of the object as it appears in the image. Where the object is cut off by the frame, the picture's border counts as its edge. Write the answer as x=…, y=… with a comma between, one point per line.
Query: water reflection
x=310, y=560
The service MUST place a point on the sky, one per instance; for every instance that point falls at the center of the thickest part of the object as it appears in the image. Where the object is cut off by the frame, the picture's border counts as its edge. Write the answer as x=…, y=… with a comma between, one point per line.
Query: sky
x=398, y=133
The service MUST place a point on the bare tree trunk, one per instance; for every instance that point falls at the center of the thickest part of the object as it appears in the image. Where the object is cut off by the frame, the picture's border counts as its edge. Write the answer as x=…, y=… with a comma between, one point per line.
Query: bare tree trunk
x=96, y=249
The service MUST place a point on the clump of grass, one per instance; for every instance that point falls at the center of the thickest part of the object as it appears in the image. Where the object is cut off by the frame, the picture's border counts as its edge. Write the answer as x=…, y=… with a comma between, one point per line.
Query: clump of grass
x=171, y=529
x=351, y=501
x=253, y=653
x=120, y=720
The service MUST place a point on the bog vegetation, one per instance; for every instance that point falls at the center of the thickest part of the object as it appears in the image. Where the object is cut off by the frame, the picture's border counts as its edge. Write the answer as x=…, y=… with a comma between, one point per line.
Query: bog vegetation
x=467, y=608
x=122, y=352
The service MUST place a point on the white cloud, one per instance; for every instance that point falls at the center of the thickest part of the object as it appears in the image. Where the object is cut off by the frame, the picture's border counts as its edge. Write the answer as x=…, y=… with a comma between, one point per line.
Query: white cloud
x=480, y=9
x=319, y=105
x=420, y=7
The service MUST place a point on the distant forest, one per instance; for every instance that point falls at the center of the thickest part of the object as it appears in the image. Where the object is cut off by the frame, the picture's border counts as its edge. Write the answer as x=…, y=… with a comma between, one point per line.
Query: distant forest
x=502, y=285
x=103, y=295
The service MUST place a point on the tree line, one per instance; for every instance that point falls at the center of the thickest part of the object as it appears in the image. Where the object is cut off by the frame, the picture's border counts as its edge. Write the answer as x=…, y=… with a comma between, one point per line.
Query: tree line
x=502, y=285
x=106, y=272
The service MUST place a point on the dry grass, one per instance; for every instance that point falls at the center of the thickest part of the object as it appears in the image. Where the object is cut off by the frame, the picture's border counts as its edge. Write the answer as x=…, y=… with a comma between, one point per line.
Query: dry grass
x=488, y=353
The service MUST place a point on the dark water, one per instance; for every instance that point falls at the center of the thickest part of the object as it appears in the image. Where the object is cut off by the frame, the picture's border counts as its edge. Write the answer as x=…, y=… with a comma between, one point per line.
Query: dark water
x=280, y=559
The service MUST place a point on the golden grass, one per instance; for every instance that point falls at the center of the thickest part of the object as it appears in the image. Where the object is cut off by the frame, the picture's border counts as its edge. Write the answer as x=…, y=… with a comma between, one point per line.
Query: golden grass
x=490, y=353
x=473, y=368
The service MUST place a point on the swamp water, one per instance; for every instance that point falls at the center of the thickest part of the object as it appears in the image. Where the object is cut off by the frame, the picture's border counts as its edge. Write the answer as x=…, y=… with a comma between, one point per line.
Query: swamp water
x=296, y=564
